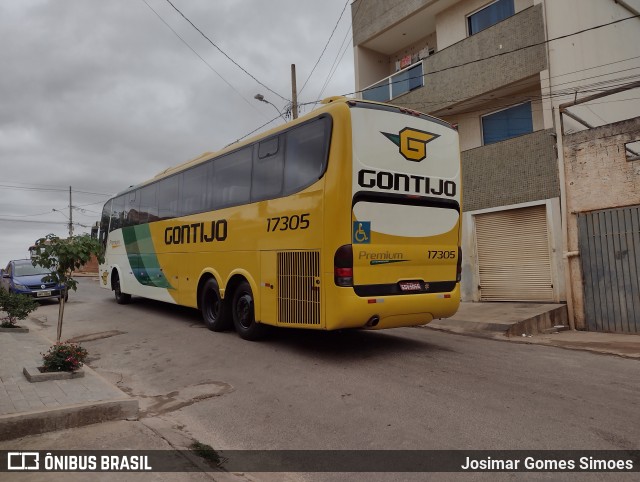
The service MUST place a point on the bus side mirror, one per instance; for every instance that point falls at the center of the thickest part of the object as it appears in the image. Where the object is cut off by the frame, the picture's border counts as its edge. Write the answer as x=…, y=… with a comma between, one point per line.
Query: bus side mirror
x=94, y=230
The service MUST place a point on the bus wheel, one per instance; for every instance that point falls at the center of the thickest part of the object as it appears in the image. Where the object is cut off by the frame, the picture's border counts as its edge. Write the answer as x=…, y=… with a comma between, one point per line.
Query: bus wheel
x=121, y=298
x=212, y=307
x=244, y=316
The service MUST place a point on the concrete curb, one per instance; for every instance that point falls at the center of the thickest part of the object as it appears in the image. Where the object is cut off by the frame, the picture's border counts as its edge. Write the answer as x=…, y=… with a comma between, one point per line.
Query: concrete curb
x=34, y=375
x=18, y=425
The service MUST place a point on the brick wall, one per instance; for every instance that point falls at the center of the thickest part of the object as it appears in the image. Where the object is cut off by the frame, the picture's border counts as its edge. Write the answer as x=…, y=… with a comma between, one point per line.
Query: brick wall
x=598, y=176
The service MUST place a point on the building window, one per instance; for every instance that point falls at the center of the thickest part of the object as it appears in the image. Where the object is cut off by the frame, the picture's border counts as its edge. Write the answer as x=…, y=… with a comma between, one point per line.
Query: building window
x=507, y=123
x=490, y=15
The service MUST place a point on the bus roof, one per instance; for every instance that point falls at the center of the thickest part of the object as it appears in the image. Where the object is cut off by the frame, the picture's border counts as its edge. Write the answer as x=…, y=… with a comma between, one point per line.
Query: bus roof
x=328, y=104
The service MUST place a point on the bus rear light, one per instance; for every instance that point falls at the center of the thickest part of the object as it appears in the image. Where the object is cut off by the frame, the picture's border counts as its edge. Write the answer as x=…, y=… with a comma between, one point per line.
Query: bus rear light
x=343, y=266
x=459, y=266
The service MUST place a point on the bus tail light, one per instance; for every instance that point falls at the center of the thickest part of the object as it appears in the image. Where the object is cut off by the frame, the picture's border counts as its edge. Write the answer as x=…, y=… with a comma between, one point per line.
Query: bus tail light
x=459, y=265
x=343, y=266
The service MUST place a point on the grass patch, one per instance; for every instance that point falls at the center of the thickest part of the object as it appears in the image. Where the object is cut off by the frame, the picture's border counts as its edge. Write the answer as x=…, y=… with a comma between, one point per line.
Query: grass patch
x=207, y=453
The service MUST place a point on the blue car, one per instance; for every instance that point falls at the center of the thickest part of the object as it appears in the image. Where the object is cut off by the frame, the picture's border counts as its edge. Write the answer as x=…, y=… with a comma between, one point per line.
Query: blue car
x=22, y=277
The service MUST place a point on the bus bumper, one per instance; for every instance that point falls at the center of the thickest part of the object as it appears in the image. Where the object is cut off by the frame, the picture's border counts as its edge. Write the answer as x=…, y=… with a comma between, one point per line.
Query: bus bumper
x=347, y=310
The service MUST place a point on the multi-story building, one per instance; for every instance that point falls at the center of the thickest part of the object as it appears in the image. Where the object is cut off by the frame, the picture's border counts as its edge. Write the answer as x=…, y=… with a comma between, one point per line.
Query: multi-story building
x=499, y=70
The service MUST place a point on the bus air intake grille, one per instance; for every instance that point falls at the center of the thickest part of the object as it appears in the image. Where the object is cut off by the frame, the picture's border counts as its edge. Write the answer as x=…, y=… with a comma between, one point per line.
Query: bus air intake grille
x=299, y=287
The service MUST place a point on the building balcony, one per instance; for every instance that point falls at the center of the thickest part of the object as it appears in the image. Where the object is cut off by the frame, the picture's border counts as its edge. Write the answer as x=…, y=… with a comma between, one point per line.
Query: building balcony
x=504, y=54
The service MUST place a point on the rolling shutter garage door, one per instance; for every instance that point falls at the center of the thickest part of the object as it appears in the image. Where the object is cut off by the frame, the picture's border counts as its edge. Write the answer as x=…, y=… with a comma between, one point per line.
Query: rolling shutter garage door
x=513, y=255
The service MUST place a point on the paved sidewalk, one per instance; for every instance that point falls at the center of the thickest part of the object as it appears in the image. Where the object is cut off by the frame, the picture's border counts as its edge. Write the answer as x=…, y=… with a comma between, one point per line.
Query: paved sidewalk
x=534, y=323
x=29, y=408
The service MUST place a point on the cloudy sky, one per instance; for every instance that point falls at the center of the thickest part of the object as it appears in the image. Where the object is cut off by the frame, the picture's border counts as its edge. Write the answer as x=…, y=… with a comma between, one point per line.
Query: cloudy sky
x=101, y=95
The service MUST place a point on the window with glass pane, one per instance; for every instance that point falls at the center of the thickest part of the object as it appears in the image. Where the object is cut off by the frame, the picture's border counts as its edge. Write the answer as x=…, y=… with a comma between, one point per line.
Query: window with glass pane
x=268, y=168
x=507, y=123
x=132, y=208
x=490, y=15
x=168, y=197
x=117, y=213
x=306, y=154
x=194, y=190
x=378, y=93
x=232, y=179
x=407, y=80
x=148, y=203
x=104, y=222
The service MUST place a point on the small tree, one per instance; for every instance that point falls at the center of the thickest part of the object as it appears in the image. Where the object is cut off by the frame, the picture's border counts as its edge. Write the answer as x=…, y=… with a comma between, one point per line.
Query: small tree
x=63, y=257
x=17, y=307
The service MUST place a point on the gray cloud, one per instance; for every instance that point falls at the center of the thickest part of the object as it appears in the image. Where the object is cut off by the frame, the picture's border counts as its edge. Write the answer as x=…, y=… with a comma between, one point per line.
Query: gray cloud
x=101, y=95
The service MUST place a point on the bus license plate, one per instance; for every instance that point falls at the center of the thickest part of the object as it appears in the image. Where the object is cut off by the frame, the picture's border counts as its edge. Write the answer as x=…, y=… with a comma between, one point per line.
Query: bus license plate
x=410, y=286
x=44, y=293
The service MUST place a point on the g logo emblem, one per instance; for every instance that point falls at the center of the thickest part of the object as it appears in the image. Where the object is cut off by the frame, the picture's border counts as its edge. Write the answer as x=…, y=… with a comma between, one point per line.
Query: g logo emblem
x=412, y=143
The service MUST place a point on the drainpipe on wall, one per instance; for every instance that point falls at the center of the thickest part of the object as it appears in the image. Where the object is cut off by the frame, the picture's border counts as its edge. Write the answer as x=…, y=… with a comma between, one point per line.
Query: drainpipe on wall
x=557, y=117
x=557, y=123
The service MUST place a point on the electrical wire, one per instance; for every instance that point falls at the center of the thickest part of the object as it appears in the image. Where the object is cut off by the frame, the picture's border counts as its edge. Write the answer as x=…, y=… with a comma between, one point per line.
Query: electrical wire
x=255, y=130
x=251, y=104
x=223, y=52
x=42, y=189
x=325, y=47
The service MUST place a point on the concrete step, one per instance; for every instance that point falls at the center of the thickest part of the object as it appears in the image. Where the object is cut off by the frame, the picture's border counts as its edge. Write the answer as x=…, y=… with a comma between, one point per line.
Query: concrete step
x=510, y=319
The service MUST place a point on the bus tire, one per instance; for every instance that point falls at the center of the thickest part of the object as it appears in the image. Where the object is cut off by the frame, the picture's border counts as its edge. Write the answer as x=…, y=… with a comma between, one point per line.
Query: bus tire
x=121, y=298
x=213, y=309
x=244, y=315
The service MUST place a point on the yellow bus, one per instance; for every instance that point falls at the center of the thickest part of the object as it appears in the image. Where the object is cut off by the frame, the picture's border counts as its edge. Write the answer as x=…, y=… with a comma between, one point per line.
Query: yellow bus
x=348, y=217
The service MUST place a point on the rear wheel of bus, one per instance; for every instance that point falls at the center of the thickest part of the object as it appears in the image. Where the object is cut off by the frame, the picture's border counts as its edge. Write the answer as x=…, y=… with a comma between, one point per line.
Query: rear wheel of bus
x=244, y=314
x=214, y=312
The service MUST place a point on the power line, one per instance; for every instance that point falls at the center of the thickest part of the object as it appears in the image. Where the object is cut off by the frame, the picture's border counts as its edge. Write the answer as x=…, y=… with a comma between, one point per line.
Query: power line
x=33, y=221
x=325, y=47
x=334, y=66
x=336, y=62
x=42, y=189
x=200, y=57
x=224, y=53
x=255, y=130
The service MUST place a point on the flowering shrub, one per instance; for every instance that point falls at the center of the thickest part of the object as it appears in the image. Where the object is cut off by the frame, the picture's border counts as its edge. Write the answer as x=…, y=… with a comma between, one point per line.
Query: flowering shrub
x=64, y=357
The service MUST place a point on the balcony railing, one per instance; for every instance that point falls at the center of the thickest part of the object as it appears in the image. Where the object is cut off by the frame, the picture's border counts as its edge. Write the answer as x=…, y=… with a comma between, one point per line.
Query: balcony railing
x=397, y=84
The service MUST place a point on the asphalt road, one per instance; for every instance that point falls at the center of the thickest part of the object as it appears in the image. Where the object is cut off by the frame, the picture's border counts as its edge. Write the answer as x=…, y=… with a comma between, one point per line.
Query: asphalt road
x=408, y=388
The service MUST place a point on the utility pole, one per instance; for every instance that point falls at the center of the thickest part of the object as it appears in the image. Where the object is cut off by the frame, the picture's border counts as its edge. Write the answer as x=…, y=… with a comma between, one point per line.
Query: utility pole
x=70, y=214
x=294, y=92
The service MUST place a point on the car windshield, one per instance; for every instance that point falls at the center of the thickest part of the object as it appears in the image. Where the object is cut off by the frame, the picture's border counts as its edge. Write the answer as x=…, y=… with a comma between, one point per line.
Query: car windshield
x=27, y=269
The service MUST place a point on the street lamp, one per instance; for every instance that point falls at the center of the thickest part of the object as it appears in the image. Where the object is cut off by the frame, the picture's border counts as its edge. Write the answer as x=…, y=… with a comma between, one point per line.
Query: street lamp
x=261, y=98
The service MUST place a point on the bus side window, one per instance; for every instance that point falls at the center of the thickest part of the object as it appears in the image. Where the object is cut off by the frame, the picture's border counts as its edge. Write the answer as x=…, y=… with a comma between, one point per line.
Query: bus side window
x=194, y=190
x=268, y=167
x=305, y=154
x=104, y=222
x=168, y=197
x=148, y=203
x=232, y=179
x=117, y=213
x=132, y=208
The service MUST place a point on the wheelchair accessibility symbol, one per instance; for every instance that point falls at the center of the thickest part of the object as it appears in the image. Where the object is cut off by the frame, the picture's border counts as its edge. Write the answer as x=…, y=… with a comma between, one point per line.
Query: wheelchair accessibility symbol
x=361, y=232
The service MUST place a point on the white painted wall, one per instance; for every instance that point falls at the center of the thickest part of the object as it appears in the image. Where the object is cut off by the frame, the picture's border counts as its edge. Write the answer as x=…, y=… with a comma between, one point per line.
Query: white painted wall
x=604, y=54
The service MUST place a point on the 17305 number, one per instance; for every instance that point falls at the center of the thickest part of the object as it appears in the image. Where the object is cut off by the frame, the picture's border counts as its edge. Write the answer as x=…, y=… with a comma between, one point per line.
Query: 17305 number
x=438, y=254
x=288, y=223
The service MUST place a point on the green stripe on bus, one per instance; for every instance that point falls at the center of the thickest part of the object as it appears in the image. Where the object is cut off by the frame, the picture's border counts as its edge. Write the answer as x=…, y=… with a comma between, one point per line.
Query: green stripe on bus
x=142, y=256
